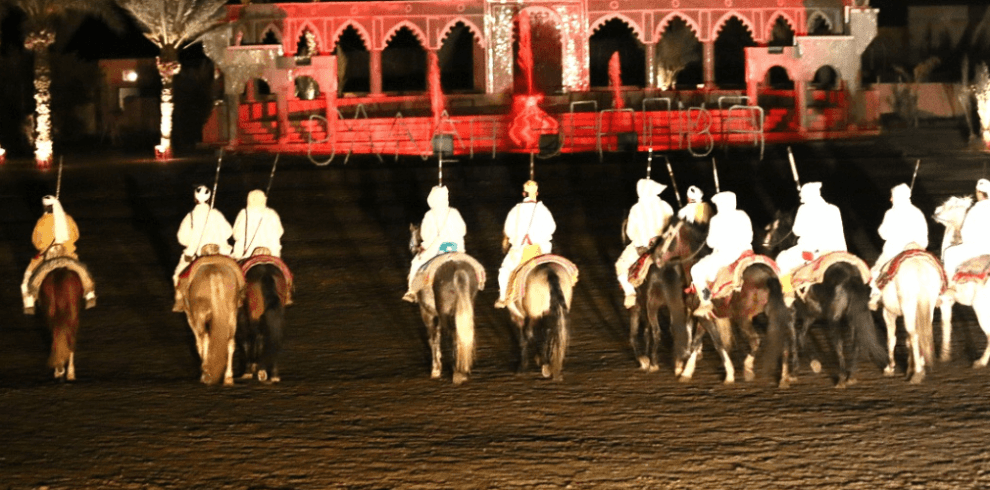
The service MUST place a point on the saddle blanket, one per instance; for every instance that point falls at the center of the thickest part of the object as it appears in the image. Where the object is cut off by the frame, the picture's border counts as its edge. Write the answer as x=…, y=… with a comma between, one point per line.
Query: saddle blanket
x=729, y=279
x=191, y=269
x=639, y=269
x=262, y=259
x=973, y=270
x=516, y=290
x=38, y=276
x=424, y=276
x=813, y=272
x=889, y=270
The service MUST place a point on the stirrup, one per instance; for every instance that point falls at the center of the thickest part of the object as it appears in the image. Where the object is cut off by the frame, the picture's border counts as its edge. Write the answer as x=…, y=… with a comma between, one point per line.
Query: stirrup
x=704, y=309
x=500, y=304
x=409, y=296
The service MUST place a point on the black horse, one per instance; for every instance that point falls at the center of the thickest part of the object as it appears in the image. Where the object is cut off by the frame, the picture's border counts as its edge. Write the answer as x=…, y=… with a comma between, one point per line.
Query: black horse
x=262, y=321
x=840, y=301
x=669, y=261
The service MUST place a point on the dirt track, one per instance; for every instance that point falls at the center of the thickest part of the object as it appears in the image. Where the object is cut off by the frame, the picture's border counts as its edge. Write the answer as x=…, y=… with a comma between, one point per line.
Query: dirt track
x=356, y=407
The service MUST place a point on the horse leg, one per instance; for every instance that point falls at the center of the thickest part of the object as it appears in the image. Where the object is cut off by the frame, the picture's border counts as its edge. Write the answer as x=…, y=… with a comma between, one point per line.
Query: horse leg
x=945, y=316
x=433, y=330
x=746, y=327
x=525, y=336
x=802, y=344
x=983, y=318
x=228, y=375
x=687, y=365
x=917, y=372
x=70, y=372
x=653, y=339
x=730, y=371
x=634, y=333
x=890, y=320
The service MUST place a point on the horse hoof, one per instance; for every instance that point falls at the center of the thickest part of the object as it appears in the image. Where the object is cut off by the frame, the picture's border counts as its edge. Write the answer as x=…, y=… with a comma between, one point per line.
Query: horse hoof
x=729, y=380
x=460, y=378
x=247, y=376
x=979, y=365
x=644, y=362
x=944, y=358
x=275, y=379
x=888, y=371
x=816, y=366
x=228, y=381
x=262, y=376
x=749, y=375
x=435, y=375
x=654, y=368
x=546, y=371
x=917, y=378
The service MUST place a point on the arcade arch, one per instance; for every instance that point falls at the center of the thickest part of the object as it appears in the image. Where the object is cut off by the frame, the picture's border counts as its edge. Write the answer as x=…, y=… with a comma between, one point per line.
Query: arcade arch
x=616, y=35
x=403, y=62
x=460, y=58
x=730, y=57
x=678, y=56
x=352, y=61
x=545, y=39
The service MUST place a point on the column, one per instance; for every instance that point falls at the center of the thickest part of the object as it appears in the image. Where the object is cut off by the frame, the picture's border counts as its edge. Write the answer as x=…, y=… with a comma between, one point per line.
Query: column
x=708, y=55
x=375, y=72
x=651, y=66
x=801, y=103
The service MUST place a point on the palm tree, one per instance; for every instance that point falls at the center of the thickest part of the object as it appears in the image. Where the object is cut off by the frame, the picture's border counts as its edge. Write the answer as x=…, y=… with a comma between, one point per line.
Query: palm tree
x=42, y=20
x=172, y=25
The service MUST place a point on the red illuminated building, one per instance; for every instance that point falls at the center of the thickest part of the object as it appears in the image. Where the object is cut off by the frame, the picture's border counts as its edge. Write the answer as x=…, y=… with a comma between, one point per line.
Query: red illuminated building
x=354, y=77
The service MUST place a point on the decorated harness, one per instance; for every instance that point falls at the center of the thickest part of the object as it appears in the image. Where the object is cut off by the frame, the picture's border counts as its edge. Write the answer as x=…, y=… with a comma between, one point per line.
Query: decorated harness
x=889, y=270
x=814, y=272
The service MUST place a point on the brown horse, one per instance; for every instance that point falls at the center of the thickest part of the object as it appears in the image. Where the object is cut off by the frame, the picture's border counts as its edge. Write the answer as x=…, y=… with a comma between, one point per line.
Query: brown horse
x=60, y=299
x=216, y=291
x=262, y=321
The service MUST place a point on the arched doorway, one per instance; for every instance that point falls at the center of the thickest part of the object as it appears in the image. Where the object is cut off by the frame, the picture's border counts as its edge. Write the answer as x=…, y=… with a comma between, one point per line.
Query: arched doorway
x=403, y=63
x=782, y=34
x=730, y=54
x=352, y=62
x=457, y=58
x=546, y=49
x=678, y=57
x=613, y=36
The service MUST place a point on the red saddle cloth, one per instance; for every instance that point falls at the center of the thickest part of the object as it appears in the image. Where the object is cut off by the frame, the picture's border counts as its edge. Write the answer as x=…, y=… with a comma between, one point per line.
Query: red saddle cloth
x=729, y=279
x=517, y=281
x=248, y=263
x=639, y=269
x=813, y=272
x=889, y=270
x=973, y=270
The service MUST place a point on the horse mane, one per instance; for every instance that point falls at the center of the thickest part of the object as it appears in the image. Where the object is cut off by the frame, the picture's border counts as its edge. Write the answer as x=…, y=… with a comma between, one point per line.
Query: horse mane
x=952, y=203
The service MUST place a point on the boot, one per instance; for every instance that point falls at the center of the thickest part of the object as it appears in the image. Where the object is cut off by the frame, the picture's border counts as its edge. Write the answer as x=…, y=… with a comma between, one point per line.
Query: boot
x=874, y=298
x=500, y=304
x=28, y=304
x=179, y=306
x=630, y=301
x=705, y=307
x=788, y=289
x=409, y=296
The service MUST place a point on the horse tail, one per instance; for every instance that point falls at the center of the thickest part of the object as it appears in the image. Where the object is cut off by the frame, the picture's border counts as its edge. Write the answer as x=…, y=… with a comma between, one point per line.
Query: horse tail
x=780, y=325
x=670, y=279
x=223, y=323
x=860, y=319
x=557, y=316
x=464, y=320
x=63, y=290
x=924, y=312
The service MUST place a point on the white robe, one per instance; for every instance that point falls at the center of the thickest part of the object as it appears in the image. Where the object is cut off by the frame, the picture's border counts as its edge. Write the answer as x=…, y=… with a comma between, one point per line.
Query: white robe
x=528, y=222
x=257, y=227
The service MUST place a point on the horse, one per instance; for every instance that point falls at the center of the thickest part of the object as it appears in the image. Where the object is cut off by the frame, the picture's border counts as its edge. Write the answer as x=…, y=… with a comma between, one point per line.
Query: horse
x=449, y=284
x=759, y=293
x=539, y=302
x=669, y=261
x=60, y=300
x=261, y=322
x=215, y=293
x=969, y=293
x=912, y=292
x=841, y=300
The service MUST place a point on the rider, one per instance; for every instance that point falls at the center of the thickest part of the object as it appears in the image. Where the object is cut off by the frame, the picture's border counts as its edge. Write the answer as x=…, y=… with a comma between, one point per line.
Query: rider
x=256, y=226
x=528, y=223
x=730, y=234
x=818, y=227
x=54, y=227
x=696, y=210
x=442, y=230
x=647, y=220
x=903, y=224
x=974, y=232
x=202, y=226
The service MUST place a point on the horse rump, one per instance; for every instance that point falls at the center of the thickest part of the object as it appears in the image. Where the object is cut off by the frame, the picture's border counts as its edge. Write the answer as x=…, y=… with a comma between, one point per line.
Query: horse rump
x=215, y=294
x=261, y=322
x=455, y=287
x=60, y=297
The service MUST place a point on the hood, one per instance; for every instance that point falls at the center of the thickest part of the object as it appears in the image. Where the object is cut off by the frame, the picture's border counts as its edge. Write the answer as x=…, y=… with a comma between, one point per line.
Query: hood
x=648, y=189
x=724, y=201
x=812, y=191
x=694, y=194
x=438, y=198
x=256, y=199
x=900, y=195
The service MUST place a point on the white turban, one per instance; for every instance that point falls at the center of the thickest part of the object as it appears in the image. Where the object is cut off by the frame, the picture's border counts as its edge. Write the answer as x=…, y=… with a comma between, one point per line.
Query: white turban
x=202, y=194
x=61, y=225
x=983, y=185
x=900, y=193
x=439, y=199
x=694, y=194
x=649, y=188
x=256, y=199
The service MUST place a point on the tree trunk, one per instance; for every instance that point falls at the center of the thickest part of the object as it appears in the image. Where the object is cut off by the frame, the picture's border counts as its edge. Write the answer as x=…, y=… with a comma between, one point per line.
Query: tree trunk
x=40, y=43
x=168, y=67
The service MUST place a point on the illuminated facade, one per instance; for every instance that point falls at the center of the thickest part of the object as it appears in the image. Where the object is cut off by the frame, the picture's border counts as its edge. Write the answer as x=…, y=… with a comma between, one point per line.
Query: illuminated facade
x=316, y=89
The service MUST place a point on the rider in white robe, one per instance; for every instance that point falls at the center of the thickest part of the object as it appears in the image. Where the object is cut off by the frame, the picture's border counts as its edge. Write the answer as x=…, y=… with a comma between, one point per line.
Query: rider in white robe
x=203, y=225
x=647, y=220
x=818, y=227
x=903, y=225
x=975, y=232
x=442, y=230
x=528, y=223
x=730, y=234
x=257, y=225
x=696, y=210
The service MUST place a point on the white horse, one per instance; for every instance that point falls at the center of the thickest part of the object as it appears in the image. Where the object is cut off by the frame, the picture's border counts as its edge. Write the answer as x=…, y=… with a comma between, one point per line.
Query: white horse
x=913, y=293
x=970, y=293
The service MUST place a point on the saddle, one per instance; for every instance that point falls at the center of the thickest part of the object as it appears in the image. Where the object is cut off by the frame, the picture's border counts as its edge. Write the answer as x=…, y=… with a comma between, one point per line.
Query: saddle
x=889, y=270
x=729, y=279
x=641, y=268
x=261, y=257
x=517, y=281
x=67, y=262
x=973, y=270
x=183, y=286
x=424, y=276
x=814, y=272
